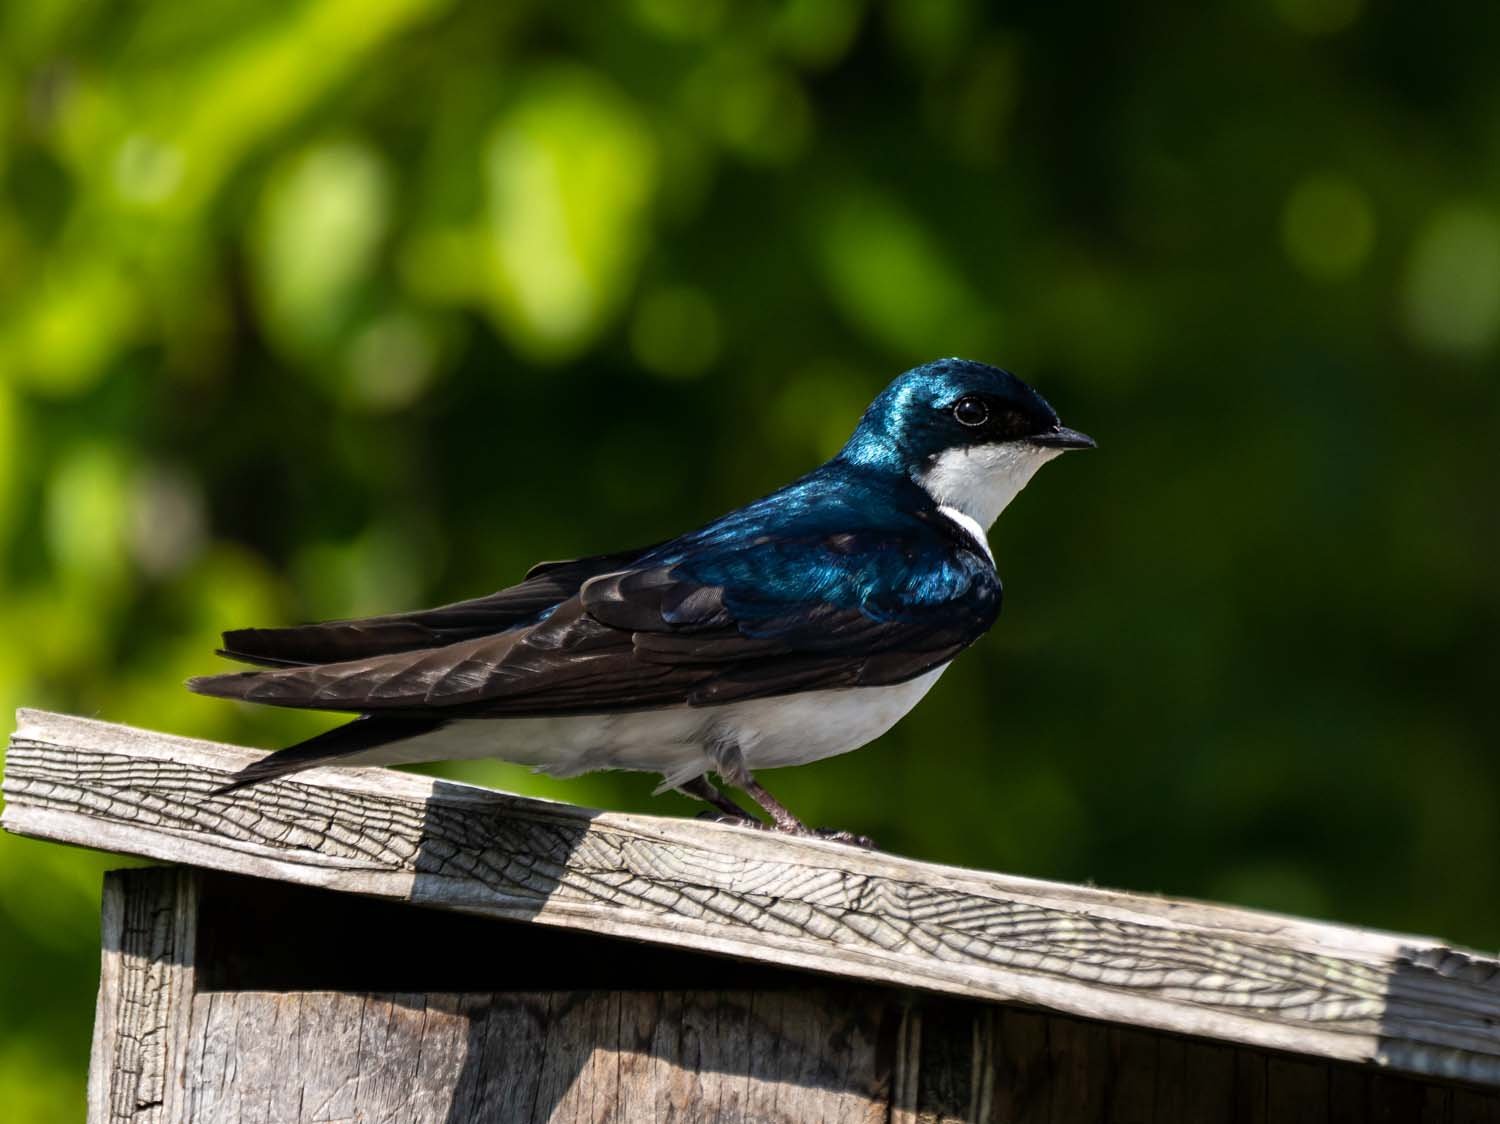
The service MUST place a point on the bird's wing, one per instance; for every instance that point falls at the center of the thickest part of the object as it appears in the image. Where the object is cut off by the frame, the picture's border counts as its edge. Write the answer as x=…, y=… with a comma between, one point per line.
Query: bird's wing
x=546, y=585
x=710, y=626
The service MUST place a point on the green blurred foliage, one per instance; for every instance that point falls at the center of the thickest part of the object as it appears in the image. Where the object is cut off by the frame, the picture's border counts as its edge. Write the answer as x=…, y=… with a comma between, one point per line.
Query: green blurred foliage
x=319, y=307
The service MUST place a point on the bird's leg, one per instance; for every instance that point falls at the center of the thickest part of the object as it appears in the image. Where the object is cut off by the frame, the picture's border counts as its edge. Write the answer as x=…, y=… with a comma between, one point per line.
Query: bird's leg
x=790, y=824
x=778, y=811
x=702, y=788
x=730, y=761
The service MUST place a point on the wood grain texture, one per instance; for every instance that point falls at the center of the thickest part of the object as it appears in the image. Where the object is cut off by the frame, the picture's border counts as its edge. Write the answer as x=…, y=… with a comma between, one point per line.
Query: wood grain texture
x=834, y=1053
x=1324, y=991
x=145, y=993
x=720, y=1057
x=551, y=1058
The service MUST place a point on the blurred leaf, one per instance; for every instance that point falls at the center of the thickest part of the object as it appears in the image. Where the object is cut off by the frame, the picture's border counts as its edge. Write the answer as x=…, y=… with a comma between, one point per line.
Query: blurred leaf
x=196, y=121
x=87, y=515
x=390, y=363
x=816, y=32
x=754, y=108
x=1453, y=281
x=675, y=331
x=1328, y=227
x=571, y=169
x=892, y=278
x=68, y=328
x=1319, y=17
x=681, y=19
x=322, y=219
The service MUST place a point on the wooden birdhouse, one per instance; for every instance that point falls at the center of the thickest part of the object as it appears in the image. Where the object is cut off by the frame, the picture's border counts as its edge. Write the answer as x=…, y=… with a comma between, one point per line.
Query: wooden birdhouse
x=378, y=946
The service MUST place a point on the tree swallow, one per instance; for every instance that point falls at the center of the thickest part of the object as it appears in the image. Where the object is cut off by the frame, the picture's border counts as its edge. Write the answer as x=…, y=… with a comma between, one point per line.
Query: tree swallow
x=800, y=626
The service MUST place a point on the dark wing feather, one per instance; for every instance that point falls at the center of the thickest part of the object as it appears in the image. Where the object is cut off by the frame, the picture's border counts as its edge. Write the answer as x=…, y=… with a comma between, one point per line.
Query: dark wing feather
x=349, y=740
x=673, y=633
x=545, y=585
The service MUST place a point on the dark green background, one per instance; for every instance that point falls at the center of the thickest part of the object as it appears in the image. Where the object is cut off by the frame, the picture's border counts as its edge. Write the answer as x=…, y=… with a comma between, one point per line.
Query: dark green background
x=320, y=308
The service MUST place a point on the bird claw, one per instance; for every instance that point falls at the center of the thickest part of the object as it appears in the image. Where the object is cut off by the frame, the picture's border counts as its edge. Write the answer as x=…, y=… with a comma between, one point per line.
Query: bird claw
x=793, y=828
x=863, y=842
x=828, y=834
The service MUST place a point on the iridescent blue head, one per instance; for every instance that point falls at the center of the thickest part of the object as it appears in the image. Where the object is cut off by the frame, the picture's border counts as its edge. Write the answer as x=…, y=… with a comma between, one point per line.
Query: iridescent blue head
x=970, y=434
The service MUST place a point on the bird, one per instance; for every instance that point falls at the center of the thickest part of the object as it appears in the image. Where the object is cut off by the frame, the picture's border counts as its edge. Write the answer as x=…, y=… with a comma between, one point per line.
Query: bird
x=802, y=625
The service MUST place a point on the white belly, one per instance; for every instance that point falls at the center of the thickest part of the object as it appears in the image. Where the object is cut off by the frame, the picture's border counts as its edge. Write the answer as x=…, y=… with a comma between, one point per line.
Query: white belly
x=801, y=728
x=788, y=730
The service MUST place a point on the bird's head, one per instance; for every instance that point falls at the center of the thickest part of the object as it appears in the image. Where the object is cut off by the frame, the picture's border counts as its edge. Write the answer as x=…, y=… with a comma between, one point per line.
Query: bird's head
x=970, y=434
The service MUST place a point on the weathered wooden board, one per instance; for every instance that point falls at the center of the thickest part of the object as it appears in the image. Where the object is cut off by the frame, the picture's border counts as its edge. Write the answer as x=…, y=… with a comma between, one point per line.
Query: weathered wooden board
x=781, y=1052
x=149, y=929
x=552, y=1056
x=1324, y=991
x=731, y=1057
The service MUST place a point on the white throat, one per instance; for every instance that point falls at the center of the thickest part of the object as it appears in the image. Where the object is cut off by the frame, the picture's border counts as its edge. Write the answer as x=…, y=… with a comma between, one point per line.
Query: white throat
x=979, y=481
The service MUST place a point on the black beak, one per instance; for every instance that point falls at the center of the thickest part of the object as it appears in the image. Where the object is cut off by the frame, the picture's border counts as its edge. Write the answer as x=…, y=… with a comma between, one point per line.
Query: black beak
x=1061, y=437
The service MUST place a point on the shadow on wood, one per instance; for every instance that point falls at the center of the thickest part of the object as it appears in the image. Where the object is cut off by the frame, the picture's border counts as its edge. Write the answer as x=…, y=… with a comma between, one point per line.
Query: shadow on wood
x=1143, y=994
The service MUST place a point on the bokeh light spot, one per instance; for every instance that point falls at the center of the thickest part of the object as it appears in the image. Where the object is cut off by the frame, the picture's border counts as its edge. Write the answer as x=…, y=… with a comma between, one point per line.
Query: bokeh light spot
x=1328, y=227
x=977, y=113
x=166, y=526
x=820, y=407
x=893, y=278
x=680, y=19
x=383, y=567
x=1319, y=17
x=675, y=332
x=816, y=32
x=570, y=170
x=322, y=219
x=80, y=316
x=390, y=362
x=756, y=110
x=146, y=170
x=933, y=31
x=1452, y=299
x=86, y=513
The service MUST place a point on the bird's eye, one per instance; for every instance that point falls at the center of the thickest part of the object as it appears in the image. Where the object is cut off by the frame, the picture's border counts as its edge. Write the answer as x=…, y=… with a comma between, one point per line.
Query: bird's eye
x=971, y=411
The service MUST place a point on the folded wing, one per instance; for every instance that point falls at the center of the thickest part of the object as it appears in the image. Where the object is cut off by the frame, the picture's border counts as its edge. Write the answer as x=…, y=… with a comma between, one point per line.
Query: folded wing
x=698, y=629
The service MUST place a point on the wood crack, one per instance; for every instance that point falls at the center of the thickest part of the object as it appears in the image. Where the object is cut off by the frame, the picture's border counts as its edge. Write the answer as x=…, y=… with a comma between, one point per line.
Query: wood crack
x=1329, y=991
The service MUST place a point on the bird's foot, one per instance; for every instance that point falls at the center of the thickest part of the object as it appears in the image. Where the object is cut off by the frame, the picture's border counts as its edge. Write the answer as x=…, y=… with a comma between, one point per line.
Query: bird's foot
x=833, y=835
x=795, y=828
x=788, y=824
x=800, y=830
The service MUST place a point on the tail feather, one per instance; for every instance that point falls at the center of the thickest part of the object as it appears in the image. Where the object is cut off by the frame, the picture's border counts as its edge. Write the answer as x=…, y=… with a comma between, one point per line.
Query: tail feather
x=330, y=747
x=544, y=587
